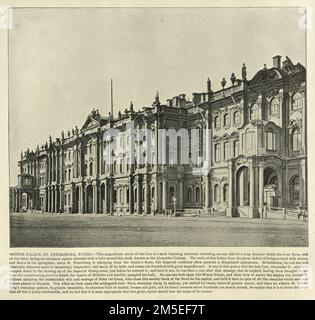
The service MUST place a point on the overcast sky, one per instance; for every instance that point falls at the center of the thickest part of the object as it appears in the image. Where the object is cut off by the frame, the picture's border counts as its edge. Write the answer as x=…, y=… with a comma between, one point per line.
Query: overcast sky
x=61, y=60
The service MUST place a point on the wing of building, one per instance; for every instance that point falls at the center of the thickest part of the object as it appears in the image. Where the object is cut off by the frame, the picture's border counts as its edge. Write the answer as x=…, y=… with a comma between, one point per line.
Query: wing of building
x=253, y=154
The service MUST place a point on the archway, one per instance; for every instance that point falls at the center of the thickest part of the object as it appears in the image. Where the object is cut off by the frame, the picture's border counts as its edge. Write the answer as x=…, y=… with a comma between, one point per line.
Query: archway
x=271, y=192
x=242, y=187
x=89, y=197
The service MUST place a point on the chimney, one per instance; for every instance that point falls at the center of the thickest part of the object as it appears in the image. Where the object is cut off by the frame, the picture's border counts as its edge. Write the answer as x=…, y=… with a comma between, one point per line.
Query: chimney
x=277, y=62
x=169, y=102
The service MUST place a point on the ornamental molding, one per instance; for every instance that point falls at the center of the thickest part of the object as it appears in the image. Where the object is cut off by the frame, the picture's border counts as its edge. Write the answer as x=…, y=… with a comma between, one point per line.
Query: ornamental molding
x=273, y=162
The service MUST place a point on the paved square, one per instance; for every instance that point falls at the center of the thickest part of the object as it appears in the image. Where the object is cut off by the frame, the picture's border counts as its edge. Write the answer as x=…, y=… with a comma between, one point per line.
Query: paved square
x=59, y=230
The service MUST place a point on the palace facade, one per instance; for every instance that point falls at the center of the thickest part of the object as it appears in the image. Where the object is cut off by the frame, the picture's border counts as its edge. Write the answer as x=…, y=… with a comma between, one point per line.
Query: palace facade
x=256, y=147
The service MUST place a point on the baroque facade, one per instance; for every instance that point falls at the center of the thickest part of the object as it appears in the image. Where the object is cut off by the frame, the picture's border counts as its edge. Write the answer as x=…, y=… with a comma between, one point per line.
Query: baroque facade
x=256, y=146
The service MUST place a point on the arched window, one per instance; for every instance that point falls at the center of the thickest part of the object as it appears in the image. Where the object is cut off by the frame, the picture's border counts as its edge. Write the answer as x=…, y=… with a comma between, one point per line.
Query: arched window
x=189, y=195
x=271, y=139
x=127, y=196
x=135, y=195
x=69, y=174
x=217, y=122
x=296, y=139
x=236, y=117
x=198, y=195
x=91, y=168
x=254, y=112
x=227, y=119
x=226, y=193
x=274, y=107
x=297, y=101
x=216, y=193
x=115, y=196
x=294, y=189
x=236, y=148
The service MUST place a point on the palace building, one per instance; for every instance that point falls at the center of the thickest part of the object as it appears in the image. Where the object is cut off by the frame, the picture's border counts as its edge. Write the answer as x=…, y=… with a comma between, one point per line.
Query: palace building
x=257, y=152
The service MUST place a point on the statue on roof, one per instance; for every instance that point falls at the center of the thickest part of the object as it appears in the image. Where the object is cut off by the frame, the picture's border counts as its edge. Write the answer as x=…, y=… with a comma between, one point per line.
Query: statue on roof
x=69, y=134
x=131, y=107
x=62, y=134
x=244, y=72
x=233, y=78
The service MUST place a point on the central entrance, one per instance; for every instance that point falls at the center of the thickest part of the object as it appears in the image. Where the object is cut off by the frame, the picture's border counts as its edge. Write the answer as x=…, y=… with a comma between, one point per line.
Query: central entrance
x=242, y=187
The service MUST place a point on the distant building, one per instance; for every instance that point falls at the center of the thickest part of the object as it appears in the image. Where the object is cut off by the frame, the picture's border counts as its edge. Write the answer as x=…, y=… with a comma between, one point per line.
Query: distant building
x=257, y=143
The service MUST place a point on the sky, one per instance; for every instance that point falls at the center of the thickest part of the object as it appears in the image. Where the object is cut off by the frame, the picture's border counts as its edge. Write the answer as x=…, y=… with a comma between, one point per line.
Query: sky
x=61, y=60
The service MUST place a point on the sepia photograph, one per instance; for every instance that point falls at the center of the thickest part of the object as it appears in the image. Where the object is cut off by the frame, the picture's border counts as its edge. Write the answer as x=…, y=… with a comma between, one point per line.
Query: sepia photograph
x=158, y=127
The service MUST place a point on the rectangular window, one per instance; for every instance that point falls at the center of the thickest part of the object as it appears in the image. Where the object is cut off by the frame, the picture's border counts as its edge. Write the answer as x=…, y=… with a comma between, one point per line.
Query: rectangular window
x=217, y=151
x=226, y=151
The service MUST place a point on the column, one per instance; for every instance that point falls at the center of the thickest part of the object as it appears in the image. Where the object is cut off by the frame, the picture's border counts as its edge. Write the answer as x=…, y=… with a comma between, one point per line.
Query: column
x=230, y=208
x=111, y=195
x=181, y=195
x=261, y=168
x=251, y=190
x=207, y=195
x=146, y=196
x=138, y=196
x=105, y=197
x=303, y=185
x=165, y=206
x=48, y=200
x=61, y=199
x=130, y=197
x=94, y=198
x=156, y=196
x=81, y=202
x=56, y=200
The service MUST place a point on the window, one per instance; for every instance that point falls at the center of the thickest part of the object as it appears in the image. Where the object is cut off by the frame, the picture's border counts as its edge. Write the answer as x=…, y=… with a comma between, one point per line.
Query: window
x=296, y=139
x=249, y=140
x=297, y=101
x=127, y=200
x=189, y=195
x=227, y=119
x=135, y=195
x=91, y=168
x=274, y=107
x=295, y=190
x=216, y=193
x=198, y=195
x=217, y=122
x=271, y=139
x=237, y=118
x=254, y=112
x=226, y=193
x=217, y=151
x=236, y=147
x=69, y=175
x=226, y=151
